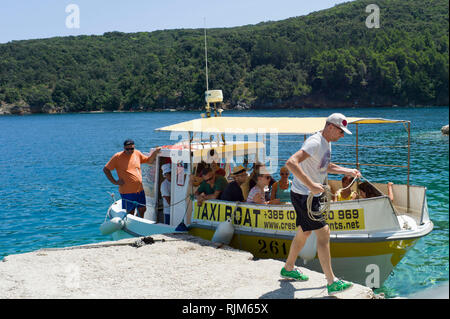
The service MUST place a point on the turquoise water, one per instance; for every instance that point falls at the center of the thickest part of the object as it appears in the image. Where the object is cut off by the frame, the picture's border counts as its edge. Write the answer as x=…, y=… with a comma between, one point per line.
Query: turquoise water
x=53, y=192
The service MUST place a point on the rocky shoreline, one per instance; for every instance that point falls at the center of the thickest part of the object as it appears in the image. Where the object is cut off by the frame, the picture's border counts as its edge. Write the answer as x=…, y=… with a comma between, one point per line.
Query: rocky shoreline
x=23, y=108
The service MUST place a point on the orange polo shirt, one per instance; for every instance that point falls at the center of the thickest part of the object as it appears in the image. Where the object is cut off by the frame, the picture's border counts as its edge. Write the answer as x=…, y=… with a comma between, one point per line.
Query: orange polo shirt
x=128, y=168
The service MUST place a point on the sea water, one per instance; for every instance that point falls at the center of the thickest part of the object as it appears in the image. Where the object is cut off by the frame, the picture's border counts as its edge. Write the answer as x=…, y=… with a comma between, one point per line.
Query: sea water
x=53, y=192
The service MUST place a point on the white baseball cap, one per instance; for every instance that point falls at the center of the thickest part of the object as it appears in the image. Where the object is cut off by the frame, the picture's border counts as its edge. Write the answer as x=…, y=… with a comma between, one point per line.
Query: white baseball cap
x=166, y=168
x=339, y=120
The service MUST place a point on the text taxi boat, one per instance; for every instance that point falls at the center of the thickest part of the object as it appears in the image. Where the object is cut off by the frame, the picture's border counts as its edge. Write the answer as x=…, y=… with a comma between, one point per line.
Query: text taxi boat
x=368, y=236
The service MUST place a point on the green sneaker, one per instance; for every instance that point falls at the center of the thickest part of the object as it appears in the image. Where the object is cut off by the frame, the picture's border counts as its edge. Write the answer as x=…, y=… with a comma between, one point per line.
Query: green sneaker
x=338, y=286
x=295, y=274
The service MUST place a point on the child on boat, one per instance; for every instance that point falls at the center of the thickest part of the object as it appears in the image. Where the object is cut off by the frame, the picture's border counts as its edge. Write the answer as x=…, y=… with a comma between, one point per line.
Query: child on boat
x=345, y=193
x=366, y=190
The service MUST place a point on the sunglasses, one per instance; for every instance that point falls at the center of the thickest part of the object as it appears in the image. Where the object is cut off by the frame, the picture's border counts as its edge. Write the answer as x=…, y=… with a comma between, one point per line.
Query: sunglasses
x=284, y=174
x=341, y=130
x=207, y=180
x=129, y=148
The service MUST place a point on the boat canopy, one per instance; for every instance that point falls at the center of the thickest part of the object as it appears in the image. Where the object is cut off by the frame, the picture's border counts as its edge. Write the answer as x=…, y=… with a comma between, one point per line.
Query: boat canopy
x=264, y=125
x=202, y=151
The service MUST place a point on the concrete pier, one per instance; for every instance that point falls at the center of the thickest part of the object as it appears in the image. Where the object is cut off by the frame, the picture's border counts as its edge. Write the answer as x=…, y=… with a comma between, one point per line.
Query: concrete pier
x=162, y=266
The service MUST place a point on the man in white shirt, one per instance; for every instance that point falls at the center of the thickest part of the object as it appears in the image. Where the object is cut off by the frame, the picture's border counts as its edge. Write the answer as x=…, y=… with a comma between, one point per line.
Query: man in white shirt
x=310, y=166
x=165, y=191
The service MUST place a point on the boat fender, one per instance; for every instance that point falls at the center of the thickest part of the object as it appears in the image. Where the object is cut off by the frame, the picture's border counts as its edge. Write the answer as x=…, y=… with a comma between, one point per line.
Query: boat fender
x=309, y=251
x=223, y=233
x=112, y=225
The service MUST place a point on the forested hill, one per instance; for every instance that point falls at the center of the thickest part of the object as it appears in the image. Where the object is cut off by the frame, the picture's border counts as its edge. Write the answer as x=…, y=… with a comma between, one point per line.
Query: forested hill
x=327, y=58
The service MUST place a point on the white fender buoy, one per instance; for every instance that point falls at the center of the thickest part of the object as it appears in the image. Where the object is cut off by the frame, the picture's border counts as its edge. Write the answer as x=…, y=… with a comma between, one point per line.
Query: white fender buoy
x=223, y=233
x=111, y=225
x=309, y=251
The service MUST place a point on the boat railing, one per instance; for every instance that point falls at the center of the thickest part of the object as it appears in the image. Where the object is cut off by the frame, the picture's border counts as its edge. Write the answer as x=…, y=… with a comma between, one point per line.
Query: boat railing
x=358, y=164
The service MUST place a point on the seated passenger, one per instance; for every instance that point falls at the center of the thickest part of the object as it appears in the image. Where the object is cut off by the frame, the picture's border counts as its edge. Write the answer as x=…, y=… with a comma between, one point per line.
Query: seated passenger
x=211, y=186
x=345, y=193
x=366, y=190
x=282, y=188
x=261, y=178
x=217, y=169
x=197, y=179
x=246, y=185
x=251, y=181
x=233, y=191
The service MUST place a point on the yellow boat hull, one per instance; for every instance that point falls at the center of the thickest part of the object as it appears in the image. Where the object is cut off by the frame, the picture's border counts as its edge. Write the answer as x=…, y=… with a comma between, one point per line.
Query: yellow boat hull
x=366, y=263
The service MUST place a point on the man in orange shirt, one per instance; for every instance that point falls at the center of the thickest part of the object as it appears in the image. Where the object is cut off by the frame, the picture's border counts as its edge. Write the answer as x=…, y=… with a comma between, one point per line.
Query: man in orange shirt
x=128, y=167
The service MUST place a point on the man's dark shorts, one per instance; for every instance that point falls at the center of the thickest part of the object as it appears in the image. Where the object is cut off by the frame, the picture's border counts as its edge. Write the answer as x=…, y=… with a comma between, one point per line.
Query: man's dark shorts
x=303, y=220
x=130, y=201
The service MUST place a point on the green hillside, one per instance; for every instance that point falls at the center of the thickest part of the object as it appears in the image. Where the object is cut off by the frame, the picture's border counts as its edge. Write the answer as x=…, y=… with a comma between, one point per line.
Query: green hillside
x=327, y=58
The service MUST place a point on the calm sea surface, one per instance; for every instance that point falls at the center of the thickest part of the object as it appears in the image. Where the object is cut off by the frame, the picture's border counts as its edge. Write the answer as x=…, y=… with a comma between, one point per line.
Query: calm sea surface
x=53, y=192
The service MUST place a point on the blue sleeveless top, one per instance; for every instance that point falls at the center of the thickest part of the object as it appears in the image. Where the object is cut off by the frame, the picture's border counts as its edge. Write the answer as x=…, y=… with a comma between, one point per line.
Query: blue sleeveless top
x=284, y=194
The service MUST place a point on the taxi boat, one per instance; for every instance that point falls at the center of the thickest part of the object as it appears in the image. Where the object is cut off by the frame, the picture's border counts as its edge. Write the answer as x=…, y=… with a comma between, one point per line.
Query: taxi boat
x=368, y=237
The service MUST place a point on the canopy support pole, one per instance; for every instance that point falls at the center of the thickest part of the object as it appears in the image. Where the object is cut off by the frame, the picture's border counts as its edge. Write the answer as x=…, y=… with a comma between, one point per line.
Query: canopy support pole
x=357, y=149
x=409, y=163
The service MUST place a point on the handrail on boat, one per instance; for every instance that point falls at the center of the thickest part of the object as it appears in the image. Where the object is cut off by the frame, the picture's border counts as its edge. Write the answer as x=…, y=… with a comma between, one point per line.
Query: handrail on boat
x=367, y=164
x=406, y=125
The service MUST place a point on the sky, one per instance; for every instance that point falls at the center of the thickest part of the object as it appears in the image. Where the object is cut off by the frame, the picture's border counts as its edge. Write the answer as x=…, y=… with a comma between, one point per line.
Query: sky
x=35, y=19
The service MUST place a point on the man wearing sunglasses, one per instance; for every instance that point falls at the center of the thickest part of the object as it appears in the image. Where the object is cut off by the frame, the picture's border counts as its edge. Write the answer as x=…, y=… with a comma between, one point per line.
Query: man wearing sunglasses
x=233, y=191
x=211, y=187
x=310, y=166
x=127, y=164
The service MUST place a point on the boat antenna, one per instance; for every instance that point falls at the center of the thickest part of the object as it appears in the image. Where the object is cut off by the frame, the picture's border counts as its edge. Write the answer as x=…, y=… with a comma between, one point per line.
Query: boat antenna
x=207, y=93
x=206, y=59
x=207, y=107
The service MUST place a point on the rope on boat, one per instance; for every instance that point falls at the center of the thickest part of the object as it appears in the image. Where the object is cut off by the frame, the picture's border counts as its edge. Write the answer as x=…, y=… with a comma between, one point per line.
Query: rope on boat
x=325, y=200
x=139, y=204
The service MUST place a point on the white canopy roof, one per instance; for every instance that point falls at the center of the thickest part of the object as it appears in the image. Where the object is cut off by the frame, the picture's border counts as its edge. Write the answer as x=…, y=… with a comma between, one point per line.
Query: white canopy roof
x=261, y=125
